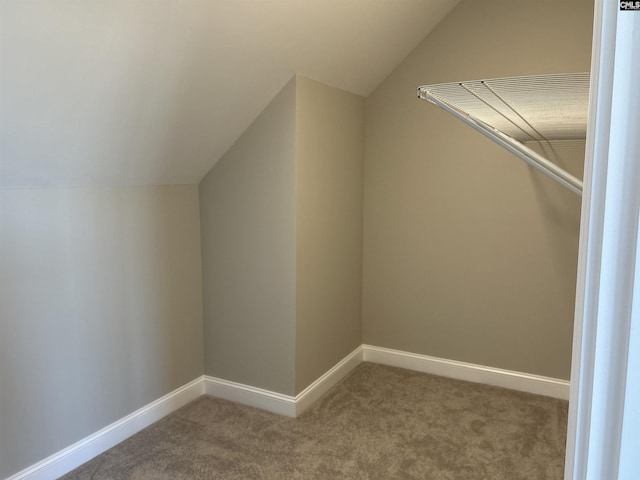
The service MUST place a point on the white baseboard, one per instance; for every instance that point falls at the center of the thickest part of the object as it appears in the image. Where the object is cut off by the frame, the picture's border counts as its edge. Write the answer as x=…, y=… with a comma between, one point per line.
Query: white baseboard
x=75, y=455
x=251, y=396
x=524, y=382
x=80, y=452
x=313, y=392
x=277, y=402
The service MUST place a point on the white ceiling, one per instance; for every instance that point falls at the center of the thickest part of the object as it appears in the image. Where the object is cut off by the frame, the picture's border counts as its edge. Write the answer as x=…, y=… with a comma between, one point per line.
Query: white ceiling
x=122, y=92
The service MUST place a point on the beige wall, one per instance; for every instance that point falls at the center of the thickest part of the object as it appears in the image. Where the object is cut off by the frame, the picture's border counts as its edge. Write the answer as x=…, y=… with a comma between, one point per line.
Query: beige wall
x=329, y=182
x=100, y=310
x=468, y=253
x=248, y=253
x=281, y=218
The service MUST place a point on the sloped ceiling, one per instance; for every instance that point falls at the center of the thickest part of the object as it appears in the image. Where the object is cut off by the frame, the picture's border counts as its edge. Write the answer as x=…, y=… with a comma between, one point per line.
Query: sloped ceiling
x=139, y=92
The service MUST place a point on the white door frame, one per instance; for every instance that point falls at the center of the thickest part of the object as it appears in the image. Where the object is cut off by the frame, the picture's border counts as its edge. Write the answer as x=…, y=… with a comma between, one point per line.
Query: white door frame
x=603, y=438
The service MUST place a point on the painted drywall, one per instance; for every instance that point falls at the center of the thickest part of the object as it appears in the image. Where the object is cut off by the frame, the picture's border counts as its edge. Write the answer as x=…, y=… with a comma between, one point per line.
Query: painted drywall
x=281, y=218
x=247, y=207
x=100, y=310
x=124, y=92
x=329, y=183
x=469, y=254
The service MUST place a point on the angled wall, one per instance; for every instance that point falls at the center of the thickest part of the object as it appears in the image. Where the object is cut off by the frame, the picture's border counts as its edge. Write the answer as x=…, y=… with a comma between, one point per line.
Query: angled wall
x=248, y=253
x=329, y=182
x=468, y=253
x=281, y=219
x=100, y=310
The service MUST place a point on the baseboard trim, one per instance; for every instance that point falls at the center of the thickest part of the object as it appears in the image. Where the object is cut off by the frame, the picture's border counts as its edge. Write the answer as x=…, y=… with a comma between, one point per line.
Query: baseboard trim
x=250, y=396
x=313, y=392
x=80, y=452
x=524, y=382
x=277, y=402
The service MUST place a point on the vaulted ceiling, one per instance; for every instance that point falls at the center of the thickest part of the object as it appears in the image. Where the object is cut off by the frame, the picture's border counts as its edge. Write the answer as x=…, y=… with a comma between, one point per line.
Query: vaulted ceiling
x=148, y=92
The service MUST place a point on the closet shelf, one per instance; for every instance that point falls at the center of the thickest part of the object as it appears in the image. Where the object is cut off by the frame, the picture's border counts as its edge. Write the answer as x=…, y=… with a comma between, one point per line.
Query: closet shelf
x=518, y=110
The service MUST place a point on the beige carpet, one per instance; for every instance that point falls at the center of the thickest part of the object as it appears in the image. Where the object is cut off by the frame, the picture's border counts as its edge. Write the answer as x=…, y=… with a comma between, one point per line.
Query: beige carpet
x=378, y=423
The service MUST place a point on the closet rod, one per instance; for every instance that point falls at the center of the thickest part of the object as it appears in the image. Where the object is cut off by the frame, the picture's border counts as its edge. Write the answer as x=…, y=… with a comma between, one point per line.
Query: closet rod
x=521, y=151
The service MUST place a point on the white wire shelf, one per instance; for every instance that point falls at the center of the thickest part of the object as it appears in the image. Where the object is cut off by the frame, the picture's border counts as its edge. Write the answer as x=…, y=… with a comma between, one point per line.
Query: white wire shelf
x=511, y=111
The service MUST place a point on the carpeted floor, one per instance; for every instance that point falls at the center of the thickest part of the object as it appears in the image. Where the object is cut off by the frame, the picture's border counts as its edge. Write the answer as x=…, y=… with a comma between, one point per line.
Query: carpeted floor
x=378, y=423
